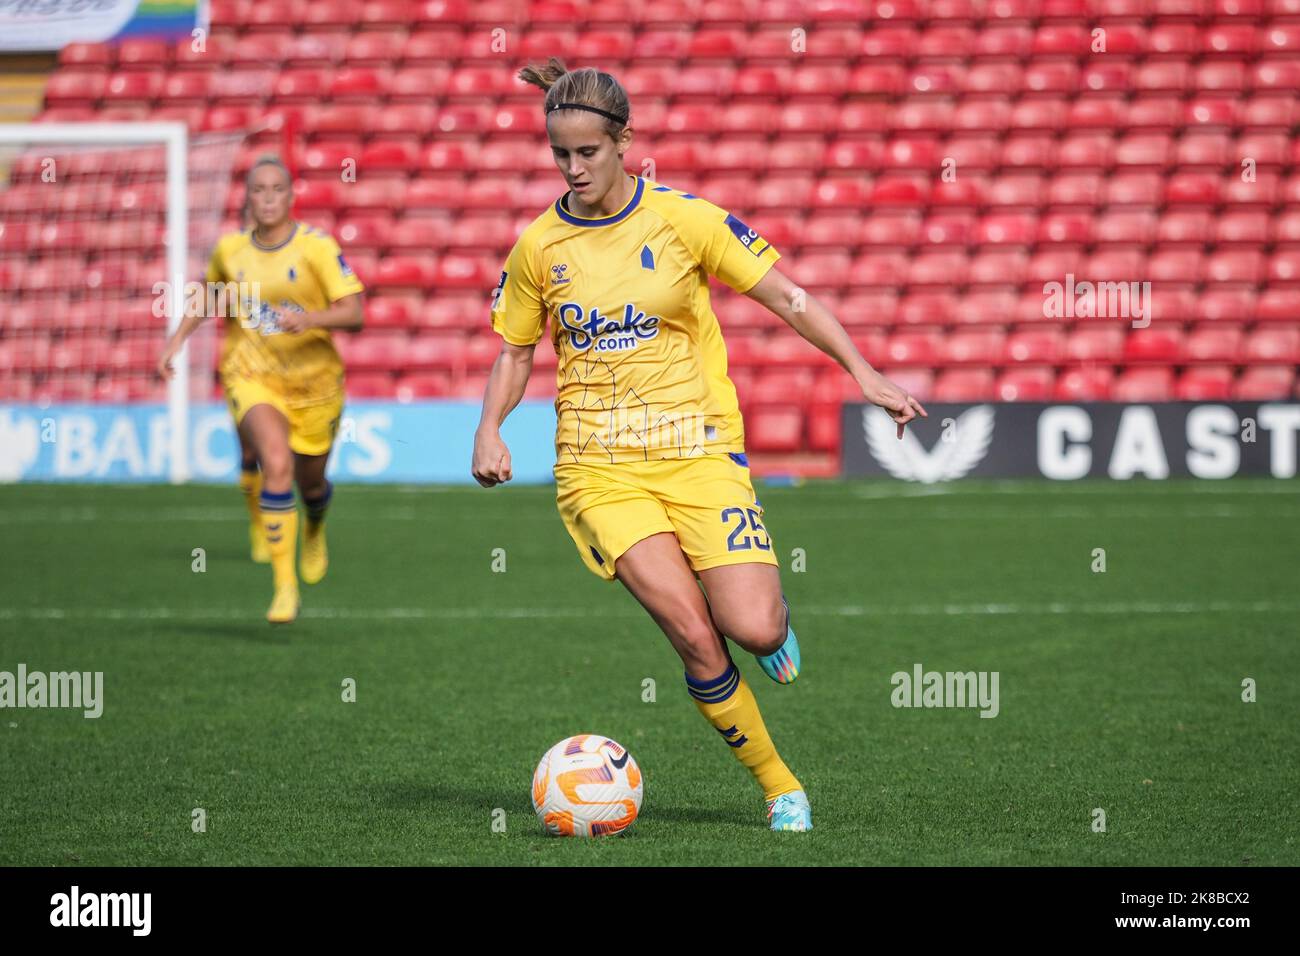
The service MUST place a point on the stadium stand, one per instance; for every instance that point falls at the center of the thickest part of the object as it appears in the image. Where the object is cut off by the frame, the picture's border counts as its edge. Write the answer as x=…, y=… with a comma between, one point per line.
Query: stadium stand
x=1126, y=164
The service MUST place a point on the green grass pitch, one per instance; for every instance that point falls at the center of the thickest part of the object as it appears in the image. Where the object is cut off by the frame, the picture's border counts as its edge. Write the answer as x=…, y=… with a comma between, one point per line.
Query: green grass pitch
x=1119, y=690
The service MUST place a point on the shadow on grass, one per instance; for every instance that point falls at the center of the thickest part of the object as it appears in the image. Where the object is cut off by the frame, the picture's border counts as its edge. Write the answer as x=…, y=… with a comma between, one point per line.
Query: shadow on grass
x=413, y=794
x=251, y=632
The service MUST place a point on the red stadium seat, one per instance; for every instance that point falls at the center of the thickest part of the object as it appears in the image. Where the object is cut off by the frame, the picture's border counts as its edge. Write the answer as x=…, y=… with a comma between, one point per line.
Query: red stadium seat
x=1185, y=225
x=880, y=42
x=1015, y=189
x=964, y=385
x=404, y=272
x=975, y=346
x=416, y=385
x=887, y=79
x=274, y=16
x=1284, y=265
x=1281, y=37
x=1143, y=385
x=1155, y=343
x=391, y=311
x=1273, y=346
x=1261, y=383
x=1211, y=383
x=1092, y=384
x=1213, y=342
x=71, y=88
x=917, y=382
x=913, y=348
x=143, y=53
x=1176, y=264
x=1235, y=265
x=1013, y=42
x=256, y=50
x=1275, y=75
x=1087, y=149
x=1137, y=226
x=329, y=14
x=1192, y=189
x=1029, y=149
x=82, y=55
x=1163, y=76
x=1096, y=343
x=369, y=384
x=774, y=428
x=1025, y=385
x=1278, y=304
x=1243, y=226
x=824, y=426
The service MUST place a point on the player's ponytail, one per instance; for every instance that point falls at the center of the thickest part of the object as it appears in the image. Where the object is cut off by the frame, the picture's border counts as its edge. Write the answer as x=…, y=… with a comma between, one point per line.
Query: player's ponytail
x=586, y=89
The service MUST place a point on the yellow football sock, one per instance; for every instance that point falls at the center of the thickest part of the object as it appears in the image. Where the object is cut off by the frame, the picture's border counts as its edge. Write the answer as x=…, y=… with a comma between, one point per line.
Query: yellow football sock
x=280, y=521
x=730, y=706
x=250, y=484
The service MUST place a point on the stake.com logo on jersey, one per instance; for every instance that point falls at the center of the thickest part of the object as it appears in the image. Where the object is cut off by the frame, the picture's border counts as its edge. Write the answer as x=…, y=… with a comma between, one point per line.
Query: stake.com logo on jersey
x=587, y=328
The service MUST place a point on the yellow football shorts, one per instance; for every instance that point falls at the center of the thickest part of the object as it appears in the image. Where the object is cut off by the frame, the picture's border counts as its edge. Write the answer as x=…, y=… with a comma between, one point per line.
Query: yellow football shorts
x=707, y=501
x=312, y=427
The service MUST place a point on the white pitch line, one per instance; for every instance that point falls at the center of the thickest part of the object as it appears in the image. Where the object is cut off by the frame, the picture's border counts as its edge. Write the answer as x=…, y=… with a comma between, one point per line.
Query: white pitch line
x=534, y=613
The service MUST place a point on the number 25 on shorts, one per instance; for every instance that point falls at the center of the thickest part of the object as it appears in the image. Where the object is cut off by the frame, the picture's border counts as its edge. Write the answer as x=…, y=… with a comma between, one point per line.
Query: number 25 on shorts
x=746, y=519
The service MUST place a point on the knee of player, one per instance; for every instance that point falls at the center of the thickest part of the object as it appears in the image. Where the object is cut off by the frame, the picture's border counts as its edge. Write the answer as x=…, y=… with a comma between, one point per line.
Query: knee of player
x=696, y=634
x=277, y=469
x=761, y=630
x=313, y=489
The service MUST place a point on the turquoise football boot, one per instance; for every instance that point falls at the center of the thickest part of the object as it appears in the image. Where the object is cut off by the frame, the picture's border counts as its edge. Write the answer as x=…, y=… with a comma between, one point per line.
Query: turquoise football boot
x=790, y=811
x=783, y=665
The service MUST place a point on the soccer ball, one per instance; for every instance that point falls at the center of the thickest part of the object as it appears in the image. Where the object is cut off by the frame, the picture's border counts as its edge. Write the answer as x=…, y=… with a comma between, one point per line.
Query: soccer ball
x=587, y=785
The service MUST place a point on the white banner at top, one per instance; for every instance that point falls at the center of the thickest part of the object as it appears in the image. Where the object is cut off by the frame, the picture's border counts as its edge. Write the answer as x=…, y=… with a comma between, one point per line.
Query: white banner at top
x=53, y=24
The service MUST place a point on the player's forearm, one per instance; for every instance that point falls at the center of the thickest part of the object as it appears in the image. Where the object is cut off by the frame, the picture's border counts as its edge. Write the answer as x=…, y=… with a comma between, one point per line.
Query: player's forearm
x=813, y=321
x=505, y=386
x=344, y=315
x=183, y=331
x=822, y=329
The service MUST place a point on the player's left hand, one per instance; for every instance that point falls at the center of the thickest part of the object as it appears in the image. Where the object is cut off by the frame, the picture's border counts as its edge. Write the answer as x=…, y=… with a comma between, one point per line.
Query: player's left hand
x=902, y=407
x=295, y=322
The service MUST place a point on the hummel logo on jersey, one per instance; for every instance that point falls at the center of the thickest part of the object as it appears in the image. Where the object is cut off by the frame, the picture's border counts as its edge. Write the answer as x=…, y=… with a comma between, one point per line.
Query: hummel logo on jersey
x=587, y=328
x=558, y=273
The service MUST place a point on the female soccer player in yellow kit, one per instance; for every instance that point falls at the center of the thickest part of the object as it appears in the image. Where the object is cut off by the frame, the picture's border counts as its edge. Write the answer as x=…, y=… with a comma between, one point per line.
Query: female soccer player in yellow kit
x=651, y=476
x=282, y=376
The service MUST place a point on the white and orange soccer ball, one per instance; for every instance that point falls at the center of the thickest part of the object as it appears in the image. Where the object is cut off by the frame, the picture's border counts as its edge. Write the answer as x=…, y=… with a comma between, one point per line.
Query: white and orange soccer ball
x=587, y=785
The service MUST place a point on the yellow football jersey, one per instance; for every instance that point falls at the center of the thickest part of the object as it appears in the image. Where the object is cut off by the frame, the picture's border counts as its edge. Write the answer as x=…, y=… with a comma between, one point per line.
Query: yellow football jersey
x=305, y=273
x=642, y=371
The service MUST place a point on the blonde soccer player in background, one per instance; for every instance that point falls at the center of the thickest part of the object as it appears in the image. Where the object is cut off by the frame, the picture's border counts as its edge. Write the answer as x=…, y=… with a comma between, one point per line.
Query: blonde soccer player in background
x=281, y=373
x=652, y=481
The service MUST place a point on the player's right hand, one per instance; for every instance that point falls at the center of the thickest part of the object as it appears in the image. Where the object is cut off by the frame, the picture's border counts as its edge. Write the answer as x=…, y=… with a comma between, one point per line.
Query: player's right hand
x=165, y=369
x=902, y=407
x=491, y=460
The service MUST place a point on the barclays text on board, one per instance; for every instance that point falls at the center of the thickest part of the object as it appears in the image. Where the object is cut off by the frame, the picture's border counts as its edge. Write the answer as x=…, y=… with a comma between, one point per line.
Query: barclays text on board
x=377, y=441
